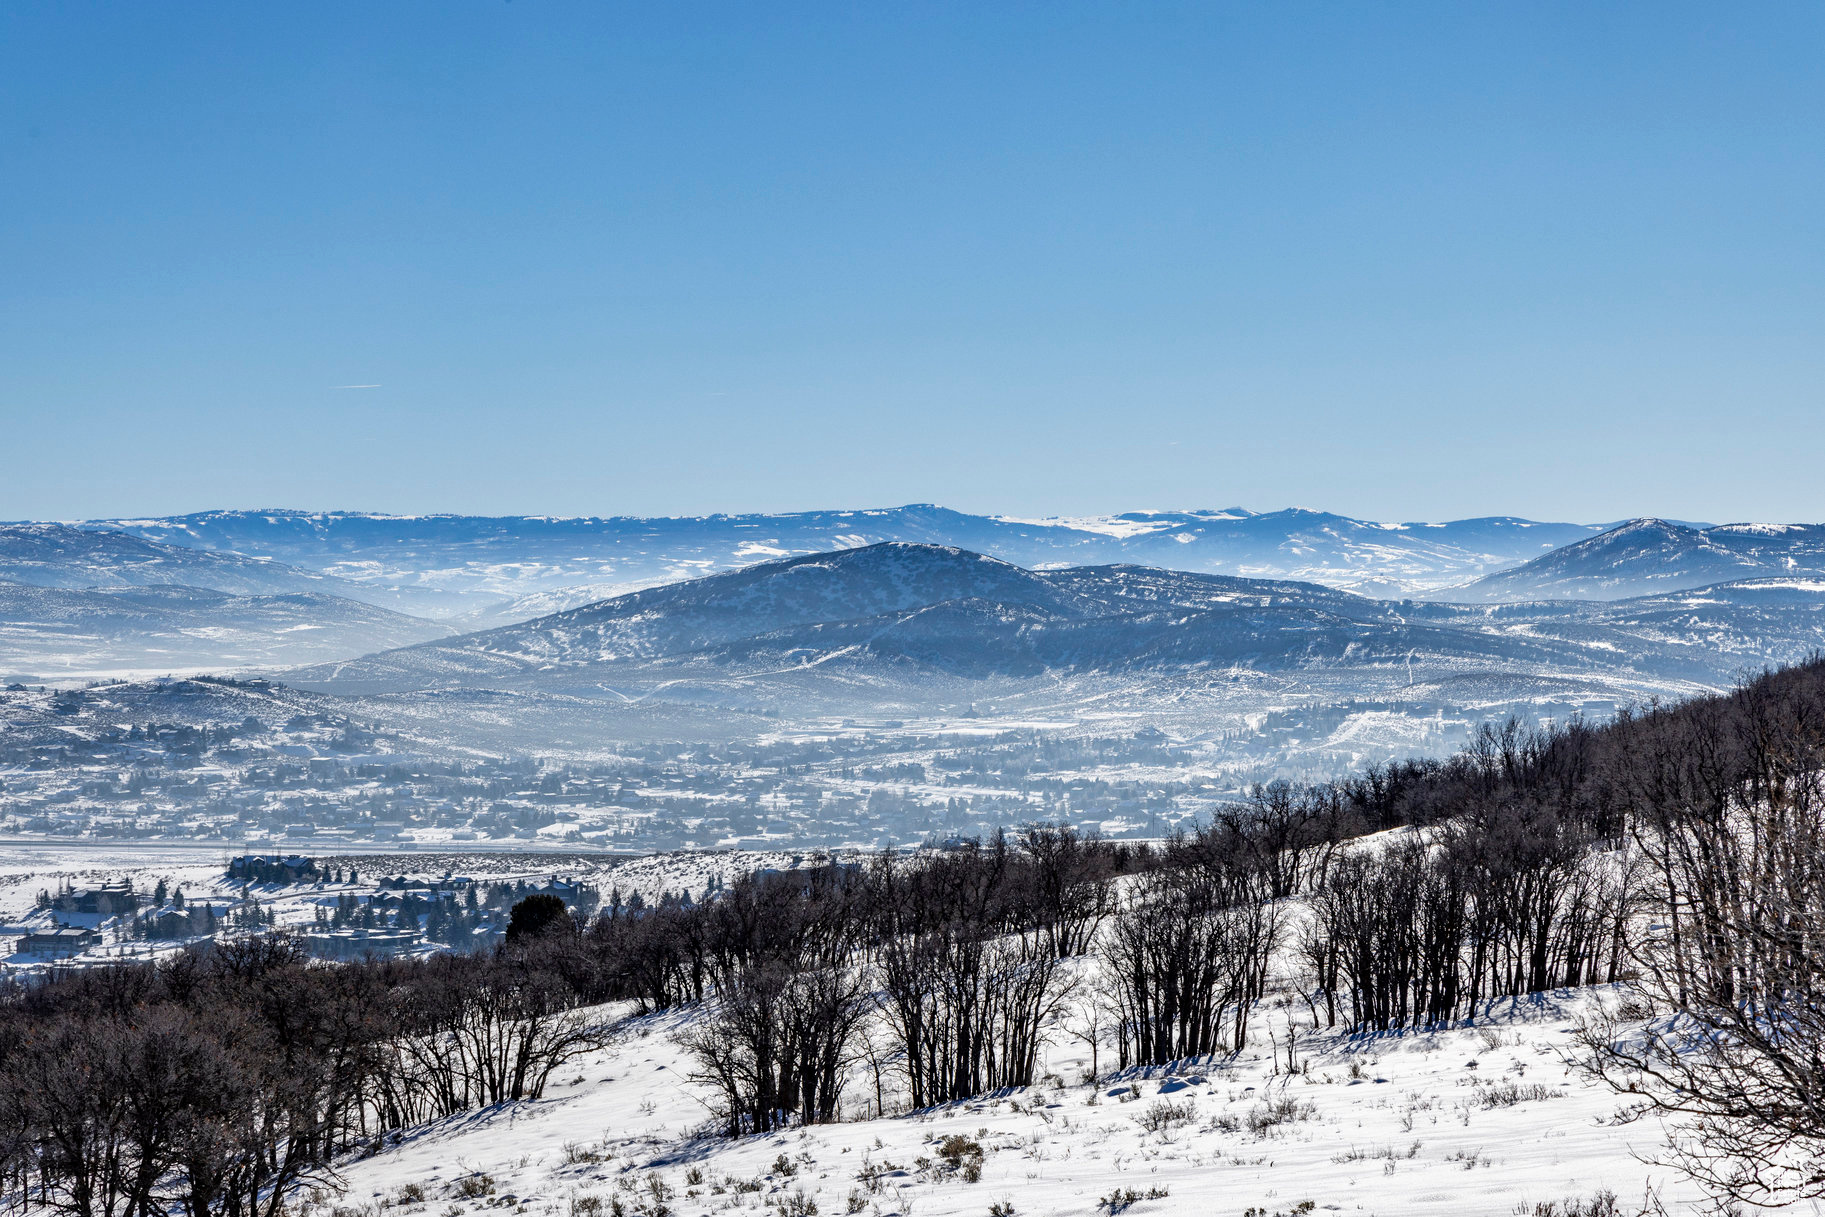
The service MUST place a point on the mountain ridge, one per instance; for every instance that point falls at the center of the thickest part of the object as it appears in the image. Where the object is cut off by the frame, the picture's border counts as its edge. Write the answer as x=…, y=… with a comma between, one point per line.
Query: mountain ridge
x=896, y=610
x=469, y=559
x=1649, y=555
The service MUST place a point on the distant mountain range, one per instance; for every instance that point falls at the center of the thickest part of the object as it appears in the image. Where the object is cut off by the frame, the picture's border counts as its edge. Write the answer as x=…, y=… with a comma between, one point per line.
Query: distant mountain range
x=473, y=563
x=371, y=581
x=78, y=603
x=880, y=621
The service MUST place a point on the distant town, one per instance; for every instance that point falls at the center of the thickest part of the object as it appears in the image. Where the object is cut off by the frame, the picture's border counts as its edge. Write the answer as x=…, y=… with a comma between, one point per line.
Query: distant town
x=335, y=908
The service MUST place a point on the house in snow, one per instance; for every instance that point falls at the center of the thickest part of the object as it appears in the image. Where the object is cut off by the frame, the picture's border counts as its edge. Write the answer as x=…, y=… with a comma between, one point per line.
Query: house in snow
x=58, y=943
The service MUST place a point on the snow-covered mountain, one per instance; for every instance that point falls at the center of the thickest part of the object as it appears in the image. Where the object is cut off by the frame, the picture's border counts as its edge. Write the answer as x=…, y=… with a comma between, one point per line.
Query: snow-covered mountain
x=1648, y=556
x=475, y=565
x=896, y=615
x=957, y=610
x=616, y=600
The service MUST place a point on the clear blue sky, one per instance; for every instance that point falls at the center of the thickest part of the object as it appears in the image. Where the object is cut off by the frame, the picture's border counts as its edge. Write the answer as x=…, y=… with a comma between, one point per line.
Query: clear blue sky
x=1392, y=260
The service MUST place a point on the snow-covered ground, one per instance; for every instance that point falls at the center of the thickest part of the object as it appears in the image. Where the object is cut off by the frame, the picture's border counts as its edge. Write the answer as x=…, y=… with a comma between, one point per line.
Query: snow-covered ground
x=28, y=868
x=1465, y=1121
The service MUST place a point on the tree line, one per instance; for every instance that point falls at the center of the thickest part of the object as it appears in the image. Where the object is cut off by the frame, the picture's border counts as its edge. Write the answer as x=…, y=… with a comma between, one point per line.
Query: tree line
x=218, y=1081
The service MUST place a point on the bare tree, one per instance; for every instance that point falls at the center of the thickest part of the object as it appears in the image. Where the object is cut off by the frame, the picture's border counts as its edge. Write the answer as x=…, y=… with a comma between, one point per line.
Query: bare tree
x=1728, y=803
x=1183, y=964
x=777, y=1044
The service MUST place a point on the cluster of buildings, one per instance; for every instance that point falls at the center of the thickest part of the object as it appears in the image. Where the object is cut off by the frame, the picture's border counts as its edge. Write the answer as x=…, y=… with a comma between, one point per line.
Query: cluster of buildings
x=383, y=916
x=70, y=920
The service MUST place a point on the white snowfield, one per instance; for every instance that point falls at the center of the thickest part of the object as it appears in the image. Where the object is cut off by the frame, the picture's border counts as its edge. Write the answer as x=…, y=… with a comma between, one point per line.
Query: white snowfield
x=1462, y=1121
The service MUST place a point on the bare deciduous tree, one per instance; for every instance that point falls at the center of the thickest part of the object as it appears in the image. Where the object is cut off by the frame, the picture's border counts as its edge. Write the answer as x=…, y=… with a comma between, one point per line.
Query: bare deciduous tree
x=1728, y=804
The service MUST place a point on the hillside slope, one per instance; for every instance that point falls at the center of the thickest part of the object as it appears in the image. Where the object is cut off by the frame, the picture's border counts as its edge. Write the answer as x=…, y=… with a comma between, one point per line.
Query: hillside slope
x=1395, y=1125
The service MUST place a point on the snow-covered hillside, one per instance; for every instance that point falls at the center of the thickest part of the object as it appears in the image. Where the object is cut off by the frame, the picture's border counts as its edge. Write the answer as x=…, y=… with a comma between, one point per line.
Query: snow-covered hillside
x=906, y=622
x=1653, y=557
x=1479, y=1118
x=1467, y=1121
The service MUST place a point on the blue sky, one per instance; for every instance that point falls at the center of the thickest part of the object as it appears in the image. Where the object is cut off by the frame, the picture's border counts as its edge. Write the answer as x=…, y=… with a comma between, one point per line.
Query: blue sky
x=1395, y=261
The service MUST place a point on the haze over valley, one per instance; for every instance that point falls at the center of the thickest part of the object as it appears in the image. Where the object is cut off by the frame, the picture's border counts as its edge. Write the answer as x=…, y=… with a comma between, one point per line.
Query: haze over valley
x=839, y=677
